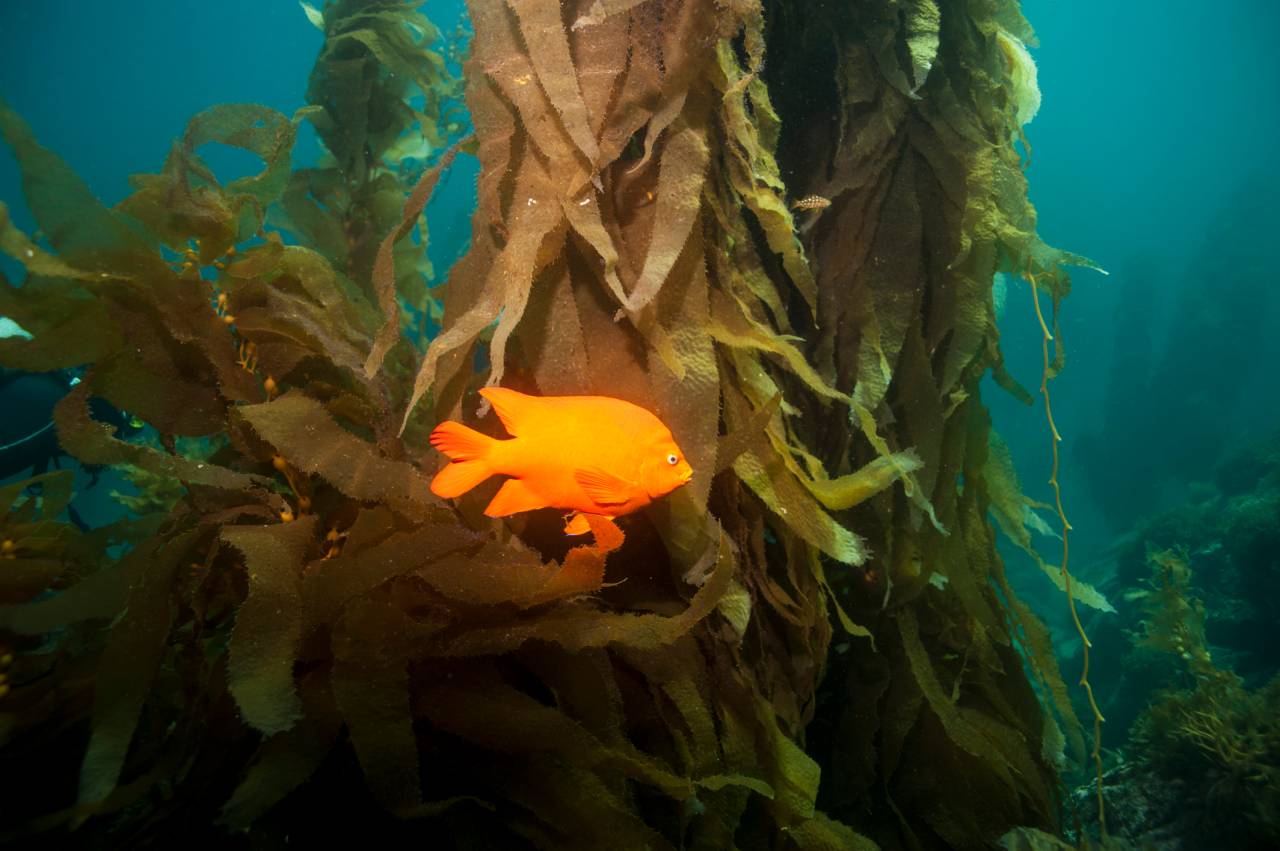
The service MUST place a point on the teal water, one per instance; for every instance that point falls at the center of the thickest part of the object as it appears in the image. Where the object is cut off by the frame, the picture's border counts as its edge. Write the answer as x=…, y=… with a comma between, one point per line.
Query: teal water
x=1154, y=154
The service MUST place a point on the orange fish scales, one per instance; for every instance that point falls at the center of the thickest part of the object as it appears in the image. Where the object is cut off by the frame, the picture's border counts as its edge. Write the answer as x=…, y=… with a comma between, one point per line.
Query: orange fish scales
x=589, y=454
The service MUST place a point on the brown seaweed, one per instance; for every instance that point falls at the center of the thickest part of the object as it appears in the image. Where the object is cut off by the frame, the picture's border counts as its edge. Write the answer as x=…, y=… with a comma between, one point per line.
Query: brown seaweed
x=300, y=604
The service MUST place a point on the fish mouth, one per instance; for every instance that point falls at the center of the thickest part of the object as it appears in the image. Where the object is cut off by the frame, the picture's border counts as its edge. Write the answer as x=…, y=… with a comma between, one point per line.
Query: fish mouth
x=684, y=479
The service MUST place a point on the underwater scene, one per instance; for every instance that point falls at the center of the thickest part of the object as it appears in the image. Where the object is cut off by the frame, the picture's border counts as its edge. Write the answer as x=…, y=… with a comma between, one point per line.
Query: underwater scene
x=778, y=425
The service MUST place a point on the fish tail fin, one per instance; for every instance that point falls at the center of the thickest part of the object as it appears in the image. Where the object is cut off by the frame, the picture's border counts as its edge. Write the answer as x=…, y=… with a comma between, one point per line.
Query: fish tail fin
x=468, y=451
x=461, y=443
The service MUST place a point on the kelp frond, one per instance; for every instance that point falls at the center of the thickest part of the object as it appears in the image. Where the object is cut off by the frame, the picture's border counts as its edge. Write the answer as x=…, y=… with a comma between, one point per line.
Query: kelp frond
x=295, y=604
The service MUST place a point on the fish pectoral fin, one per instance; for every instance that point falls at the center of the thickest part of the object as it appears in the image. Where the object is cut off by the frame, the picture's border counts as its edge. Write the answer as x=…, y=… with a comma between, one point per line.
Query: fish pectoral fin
x=512, y=498
x=603, y=487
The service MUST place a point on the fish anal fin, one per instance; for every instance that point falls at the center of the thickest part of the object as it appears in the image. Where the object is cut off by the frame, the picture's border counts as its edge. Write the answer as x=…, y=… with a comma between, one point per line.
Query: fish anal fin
x=458, y=477
x=511, y=406
x=603, y=487
x=512, y=498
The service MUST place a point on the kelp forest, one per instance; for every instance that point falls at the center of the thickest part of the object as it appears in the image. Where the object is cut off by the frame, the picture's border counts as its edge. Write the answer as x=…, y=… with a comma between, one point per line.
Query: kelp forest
x=774, y=224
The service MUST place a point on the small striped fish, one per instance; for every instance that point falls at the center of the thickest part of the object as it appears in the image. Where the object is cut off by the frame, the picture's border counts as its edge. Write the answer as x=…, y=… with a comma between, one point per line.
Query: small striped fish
x=812, y=202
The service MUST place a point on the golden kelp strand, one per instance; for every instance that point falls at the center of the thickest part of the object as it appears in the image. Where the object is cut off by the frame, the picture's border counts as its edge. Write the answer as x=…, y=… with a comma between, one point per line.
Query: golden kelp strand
x=1055, y=439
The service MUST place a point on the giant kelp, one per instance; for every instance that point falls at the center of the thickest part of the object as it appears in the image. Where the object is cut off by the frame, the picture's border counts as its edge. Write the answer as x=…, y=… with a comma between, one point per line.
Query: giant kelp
x=928, y=202
x=306, y=604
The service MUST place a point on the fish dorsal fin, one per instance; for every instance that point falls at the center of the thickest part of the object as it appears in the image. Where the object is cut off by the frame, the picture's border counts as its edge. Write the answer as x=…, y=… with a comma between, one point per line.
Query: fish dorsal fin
x=511, y=406
x=603, y=487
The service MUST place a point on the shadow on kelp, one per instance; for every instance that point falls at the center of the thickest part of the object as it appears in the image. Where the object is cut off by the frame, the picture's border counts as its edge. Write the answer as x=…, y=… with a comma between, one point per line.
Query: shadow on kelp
x=28, y=440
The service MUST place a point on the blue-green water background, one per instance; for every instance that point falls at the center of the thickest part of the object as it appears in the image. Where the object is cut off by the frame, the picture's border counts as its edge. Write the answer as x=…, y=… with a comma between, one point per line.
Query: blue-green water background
x=1154, y=154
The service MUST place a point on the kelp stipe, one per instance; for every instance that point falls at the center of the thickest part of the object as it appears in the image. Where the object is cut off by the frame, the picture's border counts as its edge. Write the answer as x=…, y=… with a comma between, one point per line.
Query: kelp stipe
x=928, y=202
x=307, y=608
x=1054, y=439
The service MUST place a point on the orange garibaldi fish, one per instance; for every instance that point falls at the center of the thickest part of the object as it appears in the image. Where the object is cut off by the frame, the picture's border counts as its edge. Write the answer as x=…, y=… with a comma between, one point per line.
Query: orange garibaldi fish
x=581, y=454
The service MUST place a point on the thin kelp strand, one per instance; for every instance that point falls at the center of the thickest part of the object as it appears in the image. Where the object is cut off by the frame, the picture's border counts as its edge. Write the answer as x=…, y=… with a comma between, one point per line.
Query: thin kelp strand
x=1085, y=644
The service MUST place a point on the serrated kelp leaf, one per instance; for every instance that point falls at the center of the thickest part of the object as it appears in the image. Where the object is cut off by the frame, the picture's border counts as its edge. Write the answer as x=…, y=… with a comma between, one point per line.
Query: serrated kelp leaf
x=1022, y=75
x=959, y=726
x=1043, y=661
x=102, y=594
x=822, y=833
x=388, y=46
x=92, y=442
x=370, y=684
x=583, y=569
x=769, y=478
x=576, y=809
x=286, y=760
x=66, y=326
x=384, y=266
x=128, y=667
x=552, y=337
x=689, y=396
x=600, y=69
x=751, y=434
x=331, y=584
x=33, y=258
x=257, y=129
x=193, y=404
x=55, y=490
x=586, y=221
x=537, y=239
x=1011, y=510
x=259, y=260
x=507, y=280
x=847, y=491
x=753, y=173
x=1008, y=383
x=797, y=778
x=850, y=626
x=600, y=10
x=312, y=441
x=268, y=630
x=911, y=34
x=83, y=232
x=26, y=577
x=580, y=626
x=505, y=573
x=1030, y=839
x=732, y=328
x=548, y=50
x=186, y=203
x=306, y=311
x=682, y=169
x=501, y=718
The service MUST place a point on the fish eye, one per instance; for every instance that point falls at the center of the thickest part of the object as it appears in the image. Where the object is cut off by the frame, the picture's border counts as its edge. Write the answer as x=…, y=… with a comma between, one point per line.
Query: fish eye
x=673, y=459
